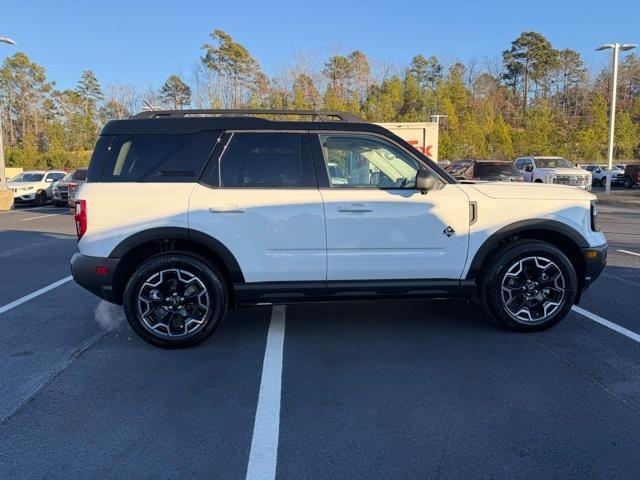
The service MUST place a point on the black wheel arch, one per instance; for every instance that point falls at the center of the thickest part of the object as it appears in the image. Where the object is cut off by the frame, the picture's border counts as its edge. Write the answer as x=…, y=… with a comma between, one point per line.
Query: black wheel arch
x=155, y=241
x=554, y=232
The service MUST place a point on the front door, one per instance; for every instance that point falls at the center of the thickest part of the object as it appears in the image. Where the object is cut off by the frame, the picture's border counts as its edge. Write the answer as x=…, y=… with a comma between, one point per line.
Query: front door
x=379, y=227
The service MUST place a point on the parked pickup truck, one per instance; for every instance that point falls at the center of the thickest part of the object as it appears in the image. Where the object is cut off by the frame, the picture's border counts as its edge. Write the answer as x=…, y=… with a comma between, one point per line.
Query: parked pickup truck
x=556, y=170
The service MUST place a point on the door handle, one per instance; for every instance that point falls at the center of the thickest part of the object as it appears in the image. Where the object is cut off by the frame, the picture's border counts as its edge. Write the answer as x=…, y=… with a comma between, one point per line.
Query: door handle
x=355, y=207
x=227, y=208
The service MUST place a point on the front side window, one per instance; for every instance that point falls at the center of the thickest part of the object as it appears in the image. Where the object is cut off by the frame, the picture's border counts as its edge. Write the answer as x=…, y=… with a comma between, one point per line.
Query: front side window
x=362, y=161
x=262, y=160
x=520, y=163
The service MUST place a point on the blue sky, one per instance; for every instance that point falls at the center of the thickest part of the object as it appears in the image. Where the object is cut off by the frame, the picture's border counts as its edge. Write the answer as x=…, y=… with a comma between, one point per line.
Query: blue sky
x=143, y=42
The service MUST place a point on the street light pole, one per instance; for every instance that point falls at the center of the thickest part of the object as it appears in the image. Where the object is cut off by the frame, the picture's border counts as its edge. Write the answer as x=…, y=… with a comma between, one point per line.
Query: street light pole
x=616, y=47
x=3, y=180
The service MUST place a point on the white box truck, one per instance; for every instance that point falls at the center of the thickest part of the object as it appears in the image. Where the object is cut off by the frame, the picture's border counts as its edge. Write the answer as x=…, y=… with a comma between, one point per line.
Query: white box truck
x=422, y=135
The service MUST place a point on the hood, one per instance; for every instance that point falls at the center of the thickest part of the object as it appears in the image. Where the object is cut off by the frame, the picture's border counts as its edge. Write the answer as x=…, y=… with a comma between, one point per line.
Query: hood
x=533, y=191
x=563, y=171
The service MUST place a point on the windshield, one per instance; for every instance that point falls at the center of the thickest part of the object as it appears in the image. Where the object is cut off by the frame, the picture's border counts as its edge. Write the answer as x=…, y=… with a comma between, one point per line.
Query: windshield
x=28, y=177
x=555, y=162
x=496, y=169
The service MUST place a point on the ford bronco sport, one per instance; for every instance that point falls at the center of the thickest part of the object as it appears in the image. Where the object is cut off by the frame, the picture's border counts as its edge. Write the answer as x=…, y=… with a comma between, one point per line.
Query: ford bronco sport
x=188, y=213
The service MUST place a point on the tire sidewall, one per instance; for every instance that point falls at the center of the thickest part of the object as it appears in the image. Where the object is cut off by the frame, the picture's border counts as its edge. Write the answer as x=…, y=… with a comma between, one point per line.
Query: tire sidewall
x=210, y=277
x=504, y=260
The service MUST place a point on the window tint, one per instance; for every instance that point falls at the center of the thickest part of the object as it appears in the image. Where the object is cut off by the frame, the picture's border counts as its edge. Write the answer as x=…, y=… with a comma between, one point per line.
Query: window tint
x=361, y=161
x=520, y=163
x=158, y=158
x=262, y=160
x=80, y=175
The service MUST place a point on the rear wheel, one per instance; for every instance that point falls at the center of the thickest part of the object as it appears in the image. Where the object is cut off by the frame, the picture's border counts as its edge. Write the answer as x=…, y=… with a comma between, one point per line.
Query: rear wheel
x=175, y=300
x=530, y=286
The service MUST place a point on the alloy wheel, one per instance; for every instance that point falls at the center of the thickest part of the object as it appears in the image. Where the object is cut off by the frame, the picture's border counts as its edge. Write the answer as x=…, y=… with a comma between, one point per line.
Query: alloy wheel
x=533, y=289
x=173, y=303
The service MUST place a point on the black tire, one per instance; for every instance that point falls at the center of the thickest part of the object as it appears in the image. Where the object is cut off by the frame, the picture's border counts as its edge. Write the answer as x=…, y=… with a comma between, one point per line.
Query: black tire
x=626, y=183
x=492, y=295
x=210, y=280
x=41, y=198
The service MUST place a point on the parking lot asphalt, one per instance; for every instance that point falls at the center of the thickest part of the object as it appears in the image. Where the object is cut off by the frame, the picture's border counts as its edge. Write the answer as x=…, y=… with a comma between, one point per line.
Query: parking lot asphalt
x=419, y=389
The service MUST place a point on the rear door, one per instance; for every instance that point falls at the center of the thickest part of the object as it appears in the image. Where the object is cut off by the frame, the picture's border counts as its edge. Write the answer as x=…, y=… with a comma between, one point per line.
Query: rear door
x=259, y=198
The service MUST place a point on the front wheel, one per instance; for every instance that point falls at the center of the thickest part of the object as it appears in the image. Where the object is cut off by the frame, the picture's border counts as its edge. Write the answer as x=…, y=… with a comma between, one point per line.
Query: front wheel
x=41, y=198
x=175, y=300
x=529, y=286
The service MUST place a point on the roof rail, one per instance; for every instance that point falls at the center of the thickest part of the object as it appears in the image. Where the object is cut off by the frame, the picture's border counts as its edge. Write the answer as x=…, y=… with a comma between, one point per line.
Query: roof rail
x=316, y=115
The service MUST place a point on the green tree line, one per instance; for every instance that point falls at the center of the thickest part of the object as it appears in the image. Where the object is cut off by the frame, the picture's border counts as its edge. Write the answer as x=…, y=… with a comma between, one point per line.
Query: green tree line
x=535, y=100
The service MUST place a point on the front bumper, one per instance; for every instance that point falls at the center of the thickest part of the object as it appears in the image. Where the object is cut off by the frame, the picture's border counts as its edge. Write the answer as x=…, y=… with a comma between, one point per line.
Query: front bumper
x=595, y=259
x=23, y=197
x=85, y=272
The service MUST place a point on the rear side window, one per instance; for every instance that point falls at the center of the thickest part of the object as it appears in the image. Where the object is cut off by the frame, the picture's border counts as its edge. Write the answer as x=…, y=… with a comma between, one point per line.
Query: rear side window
x=80, y=175
x=158, y=158
x=263, y=160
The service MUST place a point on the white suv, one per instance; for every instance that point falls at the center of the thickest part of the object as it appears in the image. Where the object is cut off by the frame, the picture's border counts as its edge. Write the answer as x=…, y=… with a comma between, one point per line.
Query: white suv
x=187, y=213
x=554, y=170
x=34, y=186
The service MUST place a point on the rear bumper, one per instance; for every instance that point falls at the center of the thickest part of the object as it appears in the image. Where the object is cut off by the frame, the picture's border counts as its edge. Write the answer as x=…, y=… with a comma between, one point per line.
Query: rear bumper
x=83, y=269
x=595, y=259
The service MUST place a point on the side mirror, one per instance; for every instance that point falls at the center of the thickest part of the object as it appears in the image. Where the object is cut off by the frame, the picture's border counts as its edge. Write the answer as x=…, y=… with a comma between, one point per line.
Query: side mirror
x=425, y=181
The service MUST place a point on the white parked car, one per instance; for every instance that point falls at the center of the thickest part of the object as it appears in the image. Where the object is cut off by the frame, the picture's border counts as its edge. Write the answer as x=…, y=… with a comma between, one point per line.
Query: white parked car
x=601, y=174
x=555, y=170
x=34, y=186
x=185, y=214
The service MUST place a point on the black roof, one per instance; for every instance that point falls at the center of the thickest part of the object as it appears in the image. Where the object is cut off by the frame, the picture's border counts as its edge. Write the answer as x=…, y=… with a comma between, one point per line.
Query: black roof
x=190, y=121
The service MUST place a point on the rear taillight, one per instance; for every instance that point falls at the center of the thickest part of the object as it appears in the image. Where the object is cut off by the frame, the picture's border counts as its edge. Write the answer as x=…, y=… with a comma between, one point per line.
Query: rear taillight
x=81, y=218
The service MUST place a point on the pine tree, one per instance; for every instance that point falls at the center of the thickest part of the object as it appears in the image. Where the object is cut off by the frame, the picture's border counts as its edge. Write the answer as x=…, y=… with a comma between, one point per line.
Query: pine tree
x=175, y=92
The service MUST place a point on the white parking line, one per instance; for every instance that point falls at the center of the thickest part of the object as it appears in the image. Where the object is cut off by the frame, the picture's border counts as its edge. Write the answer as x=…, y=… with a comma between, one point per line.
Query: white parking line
x=42, y=216
x=263, y=457
x=630, y=253
x=35, y=294
x=606, y=323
